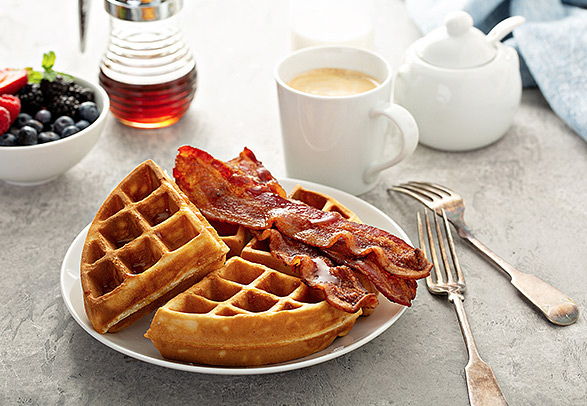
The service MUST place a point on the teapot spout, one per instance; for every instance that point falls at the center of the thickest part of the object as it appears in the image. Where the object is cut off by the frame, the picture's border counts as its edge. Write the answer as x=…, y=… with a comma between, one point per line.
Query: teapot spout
x=504, y=28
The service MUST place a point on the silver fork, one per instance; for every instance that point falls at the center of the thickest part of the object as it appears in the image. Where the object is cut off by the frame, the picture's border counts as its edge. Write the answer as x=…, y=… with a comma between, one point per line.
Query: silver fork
x=554, y=304
x=482, y=385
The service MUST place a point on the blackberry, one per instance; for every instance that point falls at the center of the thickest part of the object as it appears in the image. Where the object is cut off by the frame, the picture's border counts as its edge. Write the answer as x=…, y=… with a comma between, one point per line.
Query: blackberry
x=82, y=94
x=54, y=88
x=63, y=105
x=31, y=98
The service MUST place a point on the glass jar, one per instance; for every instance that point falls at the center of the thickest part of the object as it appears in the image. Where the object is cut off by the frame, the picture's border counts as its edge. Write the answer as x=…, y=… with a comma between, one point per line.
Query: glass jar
x=147, y=69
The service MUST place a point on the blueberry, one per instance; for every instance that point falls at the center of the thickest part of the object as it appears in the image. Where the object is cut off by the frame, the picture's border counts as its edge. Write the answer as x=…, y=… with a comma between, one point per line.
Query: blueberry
x=44, y=116
x=27, y=136
x=8, y=140
x=82, y=124
x=47, y=136
x=61, y=123
x=69, y=130
x=14, y=130
x=37, y=125
x=88, y=111
x=21, y=119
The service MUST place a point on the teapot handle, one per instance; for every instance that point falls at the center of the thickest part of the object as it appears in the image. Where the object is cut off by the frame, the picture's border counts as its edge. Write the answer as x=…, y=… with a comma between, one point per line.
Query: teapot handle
x=505, y=27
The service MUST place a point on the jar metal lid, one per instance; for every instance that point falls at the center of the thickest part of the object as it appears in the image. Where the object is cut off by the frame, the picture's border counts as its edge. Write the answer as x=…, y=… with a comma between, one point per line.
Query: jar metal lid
x=143, y=10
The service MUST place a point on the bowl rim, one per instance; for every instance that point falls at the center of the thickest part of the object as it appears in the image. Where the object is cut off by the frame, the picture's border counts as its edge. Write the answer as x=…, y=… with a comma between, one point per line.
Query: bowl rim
x=103, y=114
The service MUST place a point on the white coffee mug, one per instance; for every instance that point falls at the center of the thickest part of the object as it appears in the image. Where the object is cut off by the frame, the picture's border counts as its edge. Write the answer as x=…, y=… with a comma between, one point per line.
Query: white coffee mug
x=339, y=141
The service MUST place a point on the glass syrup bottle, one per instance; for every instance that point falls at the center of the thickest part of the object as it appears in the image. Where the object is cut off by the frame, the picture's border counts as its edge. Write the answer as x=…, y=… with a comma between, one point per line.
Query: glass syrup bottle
x=147, y=69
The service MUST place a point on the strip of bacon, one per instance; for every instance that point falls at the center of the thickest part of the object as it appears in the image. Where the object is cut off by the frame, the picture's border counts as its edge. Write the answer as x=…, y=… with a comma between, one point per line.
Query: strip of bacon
x=247, y=163
x=226, y=193
x=341, y=286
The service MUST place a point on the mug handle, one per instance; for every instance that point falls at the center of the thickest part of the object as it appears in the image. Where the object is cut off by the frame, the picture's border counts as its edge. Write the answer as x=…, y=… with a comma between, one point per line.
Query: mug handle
x=408, y=128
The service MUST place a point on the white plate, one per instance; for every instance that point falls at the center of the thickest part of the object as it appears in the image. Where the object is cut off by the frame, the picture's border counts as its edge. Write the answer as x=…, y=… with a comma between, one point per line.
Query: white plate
x=131, y=342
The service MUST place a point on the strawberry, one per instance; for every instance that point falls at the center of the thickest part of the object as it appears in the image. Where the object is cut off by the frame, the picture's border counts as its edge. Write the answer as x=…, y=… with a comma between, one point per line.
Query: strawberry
x=12, y=80
x=4, y=120
x=12, y=104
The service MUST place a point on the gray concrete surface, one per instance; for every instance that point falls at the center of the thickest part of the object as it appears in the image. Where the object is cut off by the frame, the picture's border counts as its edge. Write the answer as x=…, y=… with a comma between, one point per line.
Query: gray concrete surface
x=525, y=196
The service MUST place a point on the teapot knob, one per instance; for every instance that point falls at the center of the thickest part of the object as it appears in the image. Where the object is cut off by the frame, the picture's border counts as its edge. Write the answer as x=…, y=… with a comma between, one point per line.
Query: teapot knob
x=458, y=23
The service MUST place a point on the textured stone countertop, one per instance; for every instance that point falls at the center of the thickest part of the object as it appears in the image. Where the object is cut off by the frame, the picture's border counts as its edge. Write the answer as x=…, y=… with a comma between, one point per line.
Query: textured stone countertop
x=525, y=199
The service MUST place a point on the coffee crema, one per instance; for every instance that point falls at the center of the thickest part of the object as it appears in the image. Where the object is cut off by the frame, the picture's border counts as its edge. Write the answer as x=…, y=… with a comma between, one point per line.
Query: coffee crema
x=333, y=82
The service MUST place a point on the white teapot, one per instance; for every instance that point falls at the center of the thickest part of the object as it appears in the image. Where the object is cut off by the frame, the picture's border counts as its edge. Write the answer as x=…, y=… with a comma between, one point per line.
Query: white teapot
x=462, y=87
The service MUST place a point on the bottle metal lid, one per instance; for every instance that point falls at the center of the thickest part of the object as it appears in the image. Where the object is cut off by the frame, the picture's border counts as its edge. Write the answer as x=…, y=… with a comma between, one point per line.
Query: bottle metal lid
x=143, y=10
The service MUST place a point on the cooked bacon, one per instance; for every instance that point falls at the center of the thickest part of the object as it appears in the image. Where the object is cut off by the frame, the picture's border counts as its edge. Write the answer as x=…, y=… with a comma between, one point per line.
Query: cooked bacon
x=241, y=193
x=247, y=163
x=341, y=286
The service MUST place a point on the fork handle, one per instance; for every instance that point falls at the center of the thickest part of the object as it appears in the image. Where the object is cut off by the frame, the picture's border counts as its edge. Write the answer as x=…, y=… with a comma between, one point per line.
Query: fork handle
x=481, y=381
x=554, y=304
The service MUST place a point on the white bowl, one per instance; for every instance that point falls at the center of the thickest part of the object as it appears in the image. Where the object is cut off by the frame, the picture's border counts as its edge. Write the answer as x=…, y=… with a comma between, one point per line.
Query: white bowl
x=34, y=165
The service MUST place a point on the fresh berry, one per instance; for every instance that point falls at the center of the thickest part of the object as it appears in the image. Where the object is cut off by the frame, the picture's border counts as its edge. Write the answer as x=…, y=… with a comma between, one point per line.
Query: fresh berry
x=27, y=136
x=69, y=130
x=12, y=80
x=82, y=94
x=88, y=111
x=63, y=105
x=11, y=103
x=37, y=125
x=21, y=119
x=44, y=116
x=31, y=98
x=61, y=123
x=82, y=124
x=53, y=88
x=47, y=136
x=8, y=140
x=4, y=120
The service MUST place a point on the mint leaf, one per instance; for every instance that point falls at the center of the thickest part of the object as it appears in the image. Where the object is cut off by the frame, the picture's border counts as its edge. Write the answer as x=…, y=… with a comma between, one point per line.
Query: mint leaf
x=34, y=76
x=49, y=75
x=48, y=60
x=66, y=76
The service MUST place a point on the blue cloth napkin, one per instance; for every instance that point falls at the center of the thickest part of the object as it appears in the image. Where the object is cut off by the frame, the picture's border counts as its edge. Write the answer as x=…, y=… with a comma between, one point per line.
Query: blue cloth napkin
x=552, y=45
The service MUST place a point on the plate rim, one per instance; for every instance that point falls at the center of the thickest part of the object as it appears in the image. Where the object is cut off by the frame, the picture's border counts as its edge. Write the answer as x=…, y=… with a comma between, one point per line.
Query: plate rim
x=68, y=282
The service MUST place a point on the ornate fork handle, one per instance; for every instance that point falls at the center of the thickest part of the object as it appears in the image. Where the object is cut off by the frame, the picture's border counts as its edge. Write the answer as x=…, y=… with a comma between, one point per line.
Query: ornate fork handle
x=481, y=381
x=554, y=304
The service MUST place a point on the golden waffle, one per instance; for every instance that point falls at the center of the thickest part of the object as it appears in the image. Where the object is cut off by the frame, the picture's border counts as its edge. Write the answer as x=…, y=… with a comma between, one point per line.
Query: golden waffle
x=258, y=251
x=234, y=236
x=146, y=244
x=245, y=314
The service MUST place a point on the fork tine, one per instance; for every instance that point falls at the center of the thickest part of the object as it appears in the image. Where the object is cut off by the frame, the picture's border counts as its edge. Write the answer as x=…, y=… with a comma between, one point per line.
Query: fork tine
x=453, y=252
x=421, y=198
x=434, y=188
x=438, y=187
x=442, y=248
x=433, y=254
x=429, y=280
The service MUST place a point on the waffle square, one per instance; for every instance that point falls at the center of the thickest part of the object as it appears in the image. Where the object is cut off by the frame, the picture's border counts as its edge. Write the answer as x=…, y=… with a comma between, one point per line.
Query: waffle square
x=146, y=244
x=246, y=314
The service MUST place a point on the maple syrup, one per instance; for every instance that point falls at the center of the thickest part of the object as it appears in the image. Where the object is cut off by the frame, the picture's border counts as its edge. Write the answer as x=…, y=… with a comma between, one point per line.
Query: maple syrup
x=147, y=69
x=152, y=105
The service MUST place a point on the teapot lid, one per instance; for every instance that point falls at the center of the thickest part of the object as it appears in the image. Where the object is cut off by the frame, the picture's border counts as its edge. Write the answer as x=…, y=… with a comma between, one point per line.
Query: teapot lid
x=143, y=10
x=457, y=44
